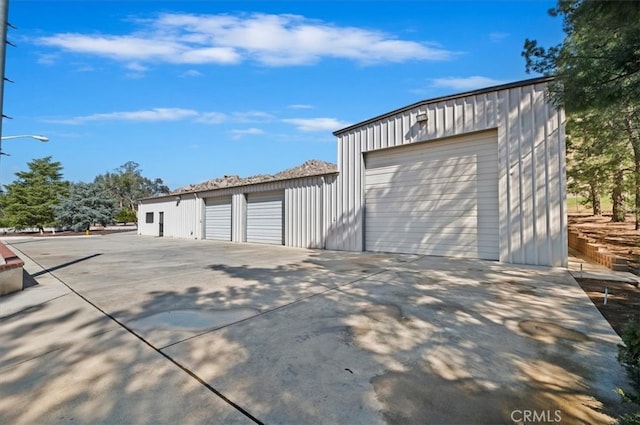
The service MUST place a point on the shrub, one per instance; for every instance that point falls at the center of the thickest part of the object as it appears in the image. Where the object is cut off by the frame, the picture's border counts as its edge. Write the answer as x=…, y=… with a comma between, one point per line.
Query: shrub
x=629, y=357
x=126, y=215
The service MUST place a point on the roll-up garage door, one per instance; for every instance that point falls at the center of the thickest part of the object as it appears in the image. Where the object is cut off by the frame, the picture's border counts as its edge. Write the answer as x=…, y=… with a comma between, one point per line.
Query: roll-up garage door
x=265, y=217
x=434, y=198
x=218, y=218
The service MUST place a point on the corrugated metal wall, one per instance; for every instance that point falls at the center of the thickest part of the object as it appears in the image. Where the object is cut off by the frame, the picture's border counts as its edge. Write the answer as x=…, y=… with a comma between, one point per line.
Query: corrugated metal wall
x=303, y=216
x=239, y=217
x=308, y=213
x=181, y=218
x=531, y=149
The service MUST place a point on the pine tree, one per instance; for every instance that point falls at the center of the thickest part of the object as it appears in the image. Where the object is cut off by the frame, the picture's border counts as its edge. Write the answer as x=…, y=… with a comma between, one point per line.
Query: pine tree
x=30, y=200
x=597, y=67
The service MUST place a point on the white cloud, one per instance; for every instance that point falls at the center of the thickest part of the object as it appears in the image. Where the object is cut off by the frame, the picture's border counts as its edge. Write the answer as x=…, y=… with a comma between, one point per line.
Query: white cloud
x=237, y=134
x=252, y=116
x=149, y=115
x=498, y=36
x=171, y=114
x=136, y=67
x=465, y=83
x=316, y=124
x=212, y=118
x=191, y=73
x=300, y=106
x=47, y=58
x=85, y=68
x=272, y=40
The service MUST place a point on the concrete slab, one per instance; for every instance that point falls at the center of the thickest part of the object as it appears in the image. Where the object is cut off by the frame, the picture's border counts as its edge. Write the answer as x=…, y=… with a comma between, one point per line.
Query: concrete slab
x=301, y=336
x=420, y=347
x=64, y=362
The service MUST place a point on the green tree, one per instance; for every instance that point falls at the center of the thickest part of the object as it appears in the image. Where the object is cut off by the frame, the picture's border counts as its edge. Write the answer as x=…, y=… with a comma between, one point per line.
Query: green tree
x=125, y=215
x=84, y=205
x=30, y=200
x=597, y=66
x=598, y=63
x=126, y=185
x=598, y=161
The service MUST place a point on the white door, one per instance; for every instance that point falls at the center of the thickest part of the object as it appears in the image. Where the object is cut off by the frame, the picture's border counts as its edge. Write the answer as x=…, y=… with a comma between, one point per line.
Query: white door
x=434, y=198
x=265, y=217
x=218, y=218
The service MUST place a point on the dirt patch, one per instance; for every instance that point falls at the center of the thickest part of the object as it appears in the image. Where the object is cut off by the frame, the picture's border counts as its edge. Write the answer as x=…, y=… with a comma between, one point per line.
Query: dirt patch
x=623, y=300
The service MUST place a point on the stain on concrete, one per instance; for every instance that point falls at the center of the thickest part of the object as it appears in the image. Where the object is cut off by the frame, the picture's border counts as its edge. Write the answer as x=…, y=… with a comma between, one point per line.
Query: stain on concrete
x=542, y=330
x=422, y=396
x=192, y=319
x=416, y=397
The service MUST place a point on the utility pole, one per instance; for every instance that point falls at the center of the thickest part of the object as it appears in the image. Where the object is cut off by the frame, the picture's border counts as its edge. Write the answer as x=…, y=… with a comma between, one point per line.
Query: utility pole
x=4, y=24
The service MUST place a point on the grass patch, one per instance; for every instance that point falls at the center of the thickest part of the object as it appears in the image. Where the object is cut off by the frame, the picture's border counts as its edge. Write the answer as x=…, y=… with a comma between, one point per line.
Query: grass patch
x=575, y=205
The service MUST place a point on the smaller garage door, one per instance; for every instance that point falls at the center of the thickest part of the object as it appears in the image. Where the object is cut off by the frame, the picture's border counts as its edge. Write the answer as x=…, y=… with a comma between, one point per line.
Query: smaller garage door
x=265, y=217
x=218, y=219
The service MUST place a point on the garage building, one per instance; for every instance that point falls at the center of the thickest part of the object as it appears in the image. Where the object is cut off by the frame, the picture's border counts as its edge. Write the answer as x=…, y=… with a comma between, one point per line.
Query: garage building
x=479, y=175
x=283, y=209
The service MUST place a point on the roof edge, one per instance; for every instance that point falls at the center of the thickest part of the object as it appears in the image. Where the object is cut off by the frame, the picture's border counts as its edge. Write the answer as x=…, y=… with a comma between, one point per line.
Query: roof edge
x=174, y=195
x=528, y=82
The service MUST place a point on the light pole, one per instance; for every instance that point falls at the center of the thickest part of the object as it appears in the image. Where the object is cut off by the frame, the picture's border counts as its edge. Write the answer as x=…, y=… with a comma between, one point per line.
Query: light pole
x=31, y=136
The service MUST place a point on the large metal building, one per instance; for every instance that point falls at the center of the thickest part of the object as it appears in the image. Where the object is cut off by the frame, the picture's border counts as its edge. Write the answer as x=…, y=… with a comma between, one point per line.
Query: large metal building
x=479, y=175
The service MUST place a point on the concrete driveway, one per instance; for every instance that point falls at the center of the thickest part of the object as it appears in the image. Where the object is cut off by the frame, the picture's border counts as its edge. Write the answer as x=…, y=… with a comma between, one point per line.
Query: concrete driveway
x=130, y=329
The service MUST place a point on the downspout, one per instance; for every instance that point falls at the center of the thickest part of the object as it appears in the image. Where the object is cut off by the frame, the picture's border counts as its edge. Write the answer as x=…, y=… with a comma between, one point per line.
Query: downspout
x=322, y=224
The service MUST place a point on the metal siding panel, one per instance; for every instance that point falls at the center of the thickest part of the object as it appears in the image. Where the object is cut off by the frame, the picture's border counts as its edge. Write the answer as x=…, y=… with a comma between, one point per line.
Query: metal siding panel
x=399, y=129
x=450, y=123
x=529, y=251
x=562, y=257
x=294, y=206
x=383, y=134
x=350, y=193
x=458, y=116
x=493, y=110
x=143, y=227
x=479, y=118
x=540, y=172
x=239, y=219
x=556, y=184
x=469, y=114
x=304, y=216
x=265, y=218
x=330, y=212
x=303, y=209
x=440, y=121
x=512, y=102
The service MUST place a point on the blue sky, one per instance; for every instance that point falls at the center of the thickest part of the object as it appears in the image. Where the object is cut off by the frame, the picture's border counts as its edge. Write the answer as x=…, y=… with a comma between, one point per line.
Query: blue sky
x=196, y=90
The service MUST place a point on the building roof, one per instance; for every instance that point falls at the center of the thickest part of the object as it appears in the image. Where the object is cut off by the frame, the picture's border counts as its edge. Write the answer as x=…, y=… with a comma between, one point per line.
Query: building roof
x=445, y=98
x=313, y=167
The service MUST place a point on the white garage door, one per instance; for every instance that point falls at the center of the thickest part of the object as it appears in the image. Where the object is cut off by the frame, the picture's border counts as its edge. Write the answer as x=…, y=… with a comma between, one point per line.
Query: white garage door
x=264, y=217
x=435, y=198
x=218, y=219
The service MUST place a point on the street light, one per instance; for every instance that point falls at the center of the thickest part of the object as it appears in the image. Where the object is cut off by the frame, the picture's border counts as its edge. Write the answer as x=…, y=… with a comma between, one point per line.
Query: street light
x=31, y=136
